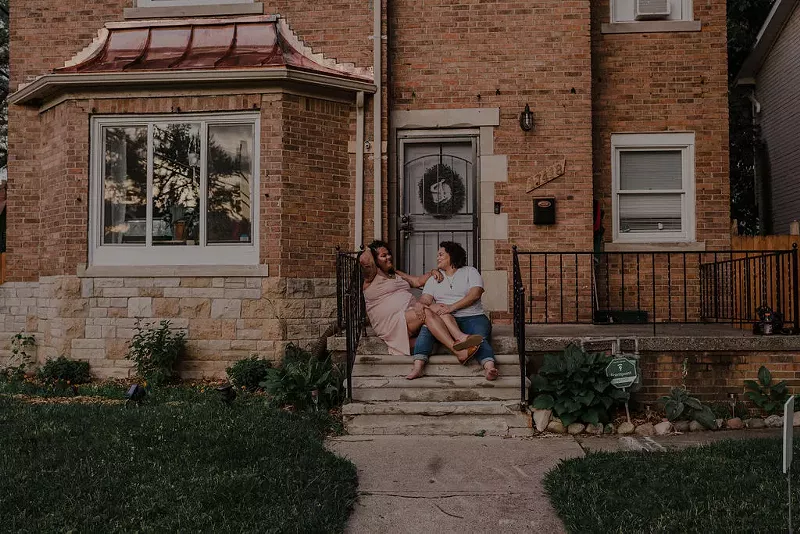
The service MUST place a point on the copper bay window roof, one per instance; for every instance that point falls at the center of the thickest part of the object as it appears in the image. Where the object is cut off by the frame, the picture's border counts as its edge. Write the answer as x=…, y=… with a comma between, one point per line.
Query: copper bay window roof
x=242, y=50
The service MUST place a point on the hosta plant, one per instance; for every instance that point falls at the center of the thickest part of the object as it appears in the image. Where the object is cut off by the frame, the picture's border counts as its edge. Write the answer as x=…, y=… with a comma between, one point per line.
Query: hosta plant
x=574, y=385
x=680, y=406
x=304, y=381
x=769, y=397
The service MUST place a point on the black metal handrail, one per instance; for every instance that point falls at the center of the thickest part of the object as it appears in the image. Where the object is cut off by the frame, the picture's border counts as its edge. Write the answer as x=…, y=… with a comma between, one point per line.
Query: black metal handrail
x=350, y=308
x=519, y=328
x=656, y=287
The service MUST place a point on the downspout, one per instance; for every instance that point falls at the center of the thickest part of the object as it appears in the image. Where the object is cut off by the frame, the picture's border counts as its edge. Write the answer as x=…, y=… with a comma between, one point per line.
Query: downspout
x=359, y=233
x=377, y=165
x=759, y=174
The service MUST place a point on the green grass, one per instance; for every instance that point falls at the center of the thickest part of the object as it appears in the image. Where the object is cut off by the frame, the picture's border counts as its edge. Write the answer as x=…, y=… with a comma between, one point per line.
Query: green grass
x=729, y=486
x=188, y=463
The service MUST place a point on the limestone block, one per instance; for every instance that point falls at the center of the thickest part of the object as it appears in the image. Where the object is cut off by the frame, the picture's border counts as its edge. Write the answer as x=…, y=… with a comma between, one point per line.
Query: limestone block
x=495, y=297
x=217, y=282
x=193, y=307
x=151, y=292
x=166, y=282
x=325, y=288
x=299, y=288
x=211, y=329
x=108, y=282
x=261, y=308
x=252, y=283
x=242, y=293
x=140, y=307
x=226, y=309
x=195, y=282
x=234, y=282
x=273, y=287
x=93, y=332
x=249, y=345
x=138, y=282
x=120, y=292
x=164, y=307
x=87, y=287
x=292, y=309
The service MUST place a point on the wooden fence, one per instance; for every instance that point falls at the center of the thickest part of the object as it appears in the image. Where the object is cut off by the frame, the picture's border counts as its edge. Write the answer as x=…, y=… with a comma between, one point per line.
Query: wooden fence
x=774, y=283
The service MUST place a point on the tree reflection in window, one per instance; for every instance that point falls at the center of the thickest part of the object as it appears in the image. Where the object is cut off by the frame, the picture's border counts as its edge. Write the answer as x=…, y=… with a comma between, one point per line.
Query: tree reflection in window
x=229, y=177
x=176, y=184
x=125, y=185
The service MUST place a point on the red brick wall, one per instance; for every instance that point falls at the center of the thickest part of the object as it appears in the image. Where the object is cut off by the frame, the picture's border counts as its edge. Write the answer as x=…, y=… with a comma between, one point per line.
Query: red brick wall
x=677, y=81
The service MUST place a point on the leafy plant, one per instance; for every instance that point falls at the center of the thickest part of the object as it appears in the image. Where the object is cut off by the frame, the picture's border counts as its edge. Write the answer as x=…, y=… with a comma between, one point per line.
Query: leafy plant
x=20, y=360
x=574, y=385
x=65, y=370
x=156, y=351
x=722, y=410
x=249, y=372
x=304, y=381
x=766, y=395
x=679, y=405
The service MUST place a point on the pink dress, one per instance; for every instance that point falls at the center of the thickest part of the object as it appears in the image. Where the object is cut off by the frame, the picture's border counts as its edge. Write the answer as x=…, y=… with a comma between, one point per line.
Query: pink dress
x=387, y=300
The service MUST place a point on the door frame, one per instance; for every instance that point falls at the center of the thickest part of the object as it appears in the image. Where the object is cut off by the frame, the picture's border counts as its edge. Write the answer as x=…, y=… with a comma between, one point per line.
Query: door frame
x=421, y=136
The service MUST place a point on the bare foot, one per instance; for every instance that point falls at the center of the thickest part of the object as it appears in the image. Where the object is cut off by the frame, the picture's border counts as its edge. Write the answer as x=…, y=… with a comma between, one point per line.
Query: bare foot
x=415, y=373
x=490, y=371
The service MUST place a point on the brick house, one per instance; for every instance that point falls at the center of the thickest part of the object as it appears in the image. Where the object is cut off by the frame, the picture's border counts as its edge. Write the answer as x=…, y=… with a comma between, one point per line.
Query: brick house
x=198, y=161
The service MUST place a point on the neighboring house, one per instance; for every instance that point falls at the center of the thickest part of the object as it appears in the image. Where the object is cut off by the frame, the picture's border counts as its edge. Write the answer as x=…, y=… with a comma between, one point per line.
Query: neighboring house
x=773, y=71
x=198, y=161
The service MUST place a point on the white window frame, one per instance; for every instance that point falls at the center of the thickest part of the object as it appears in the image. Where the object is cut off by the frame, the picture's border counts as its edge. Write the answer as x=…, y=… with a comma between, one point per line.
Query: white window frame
x=200, y=254
x=686, y=6
x=684, y=142
x=173, y=3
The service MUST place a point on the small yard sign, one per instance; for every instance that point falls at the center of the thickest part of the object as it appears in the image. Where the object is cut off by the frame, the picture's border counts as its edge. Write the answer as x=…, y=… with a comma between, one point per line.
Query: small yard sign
x=622, y=372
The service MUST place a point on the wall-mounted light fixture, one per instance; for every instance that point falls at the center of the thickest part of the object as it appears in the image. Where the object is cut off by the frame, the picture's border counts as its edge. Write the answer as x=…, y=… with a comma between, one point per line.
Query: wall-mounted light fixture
x=526, y=119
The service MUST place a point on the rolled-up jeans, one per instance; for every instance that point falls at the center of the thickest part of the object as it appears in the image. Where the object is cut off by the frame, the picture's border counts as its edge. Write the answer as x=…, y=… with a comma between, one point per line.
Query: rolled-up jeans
x=471, y=324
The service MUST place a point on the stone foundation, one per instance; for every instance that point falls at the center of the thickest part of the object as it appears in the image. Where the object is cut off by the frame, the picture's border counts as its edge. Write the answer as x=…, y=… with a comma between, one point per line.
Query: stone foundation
x=225, y=318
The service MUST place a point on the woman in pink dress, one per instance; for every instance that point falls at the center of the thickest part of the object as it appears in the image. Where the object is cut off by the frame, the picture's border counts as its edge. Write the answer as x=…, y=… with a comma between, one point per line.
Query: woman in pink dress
x=396, y=315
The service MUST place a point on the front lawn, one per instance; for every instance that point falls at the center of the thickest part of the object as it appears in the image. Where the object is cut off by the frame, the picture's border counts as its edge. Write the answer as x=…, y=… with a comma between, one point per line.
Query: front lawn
x=729, y=486
x=169, y=466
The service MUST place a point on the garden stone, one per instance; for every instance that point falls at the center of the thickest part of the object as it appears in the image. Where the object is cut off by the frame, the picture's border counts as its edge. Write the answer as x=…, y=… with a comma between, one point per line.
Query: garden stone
x=694, y=426
x=755, y=423
x=626, y=428
x=681, y=426
x=555, y=427
x=774, y=421
x=541, y=418
x=646, y=429
x=608, y=429
x=720, y=423
x=663, y=428
x=796, y=420
x=734, y=424
x=575, y=428
x=594, y=429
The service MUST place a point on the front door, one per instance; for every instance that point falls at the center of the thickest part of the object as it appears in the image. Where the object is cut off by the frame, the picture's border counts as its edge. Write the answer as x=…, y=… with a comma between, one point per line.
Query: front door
x=439, y=200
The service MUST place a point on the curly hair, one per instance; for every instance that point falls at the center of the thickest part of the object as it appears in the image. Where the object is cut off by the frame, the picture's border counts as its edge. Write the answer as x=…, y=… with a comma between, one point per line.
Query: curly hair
x=458, y=256
x=375, y=245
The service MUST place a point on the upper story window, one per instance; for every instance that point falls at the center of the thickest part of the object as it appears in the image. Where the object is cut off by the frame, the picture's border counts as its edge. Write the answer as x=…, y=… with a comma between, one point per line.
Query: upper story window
x=174, y=190
x=648, y=10
x=171, y=3
x=653, y=187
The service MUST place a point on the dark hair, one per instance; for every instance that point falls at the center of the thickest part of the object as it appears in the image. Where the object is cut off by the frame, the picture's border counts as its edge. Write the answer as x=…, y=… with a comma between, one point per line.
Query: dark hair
x=458, y=256
x=375, y=245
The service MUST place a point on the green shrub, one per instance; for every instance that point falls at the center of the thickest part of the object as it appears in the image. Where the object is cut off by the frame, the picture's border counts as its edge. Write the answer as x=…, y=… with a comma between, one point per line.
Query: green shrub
x=156, y=351
x=574, y=385
x=64, y=370
x=20, y=360
x=679, y=405
x=304, y=381
x=766, y=395
x=722, y=410
x=249, y=372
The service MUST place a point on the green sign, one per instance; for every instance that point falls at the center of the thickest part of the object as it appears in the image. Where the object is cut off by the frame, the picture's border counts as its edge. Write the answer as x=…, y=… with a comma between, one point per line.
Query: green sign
x=622, y=372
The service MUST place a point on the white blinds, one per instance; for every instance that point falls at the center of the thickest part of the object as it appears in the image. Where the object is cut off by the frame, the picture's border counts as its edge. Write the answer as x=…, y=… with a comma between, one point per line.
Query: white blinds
x=650, y=169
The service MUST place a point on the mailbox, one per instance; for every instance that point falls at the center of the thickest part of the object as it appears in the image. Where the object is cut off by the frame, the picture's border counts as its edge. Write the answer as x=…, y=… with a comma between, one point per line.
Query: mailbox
x=544, y=211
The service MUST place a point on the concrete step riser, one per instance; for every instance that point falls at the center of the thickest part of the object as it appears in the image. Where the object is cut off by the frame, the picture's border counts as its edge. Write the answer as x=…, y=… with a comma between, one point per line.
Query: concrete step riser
x=435, y=409
x=435, y=395
x=444, y=359
x=451, y=425
x=430, y=370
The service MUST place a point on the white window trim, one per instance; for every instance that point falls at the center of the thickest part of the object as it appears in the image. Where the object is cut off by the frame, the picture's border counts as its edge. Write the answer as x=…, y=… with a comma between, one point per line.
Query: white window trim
x=200, y=254
x=687, y=12
x=171, y=3
x=657, y=141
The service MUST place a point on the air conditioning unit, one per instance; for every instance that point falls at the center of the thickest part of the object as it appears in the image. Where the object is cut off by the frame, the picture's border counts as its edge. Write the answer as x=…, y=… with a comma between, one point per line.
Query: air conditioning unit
x=651, y=9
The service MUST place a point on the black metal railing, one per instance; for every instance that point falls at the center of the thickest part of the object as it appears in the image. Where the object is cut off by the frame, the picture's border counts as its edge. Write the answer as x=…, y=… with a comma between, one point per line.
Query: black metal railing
x=519, y=328
x=656, y=287
x=350, y=308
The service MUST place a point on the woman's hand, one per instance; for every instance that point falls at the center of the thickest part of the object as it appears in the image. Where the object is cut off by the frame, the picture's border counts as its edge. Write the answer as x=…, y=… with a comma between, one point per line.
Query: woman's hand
x=437, y=274
x=440, y=309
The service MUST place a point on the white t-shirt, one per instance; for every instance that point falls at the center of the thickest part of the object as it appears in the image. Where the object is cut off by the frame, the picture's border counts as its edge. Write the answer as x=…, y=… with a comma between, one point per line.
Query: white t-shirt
x=454, y=288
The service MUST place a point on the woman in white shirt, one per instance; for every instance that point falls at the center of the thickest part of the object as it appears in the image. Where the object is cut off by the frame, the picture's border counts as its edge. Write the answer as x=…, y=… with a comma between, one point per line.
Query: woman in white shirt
x=459, y=294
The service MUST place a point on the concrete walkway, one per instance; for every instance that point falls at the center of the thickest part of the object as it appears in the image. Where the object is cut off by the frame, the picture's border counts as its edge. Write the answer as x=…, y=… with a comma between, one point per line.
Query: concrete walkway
x=439, y=484
x=465, y=484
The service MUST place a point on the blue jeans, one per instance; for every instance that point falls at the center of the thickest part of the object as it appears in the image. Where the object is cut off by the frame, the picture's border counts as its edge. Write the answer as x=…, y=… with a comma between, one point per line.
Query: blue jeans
x=472, y=324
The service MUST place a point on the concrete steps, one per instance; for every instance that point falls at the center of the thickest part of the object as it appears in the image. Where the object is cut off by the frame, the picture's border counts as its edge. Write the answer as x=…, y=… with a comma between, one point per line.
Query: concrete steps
x=435, y=388
x=438, y=365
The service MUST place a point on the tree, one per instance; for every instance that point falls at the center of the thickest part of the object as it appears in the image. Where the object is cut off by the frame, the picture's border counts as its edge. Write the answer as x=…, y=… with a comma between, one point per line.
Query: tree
x=745, y=18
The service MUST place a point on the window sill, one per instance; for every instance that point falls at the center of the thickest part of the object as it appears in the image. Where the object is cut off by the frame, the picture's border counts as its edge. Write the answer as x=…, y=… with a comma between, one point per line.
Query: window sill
x=173, y=271
x=699, y=246
x=171, y=12
x=652, y=26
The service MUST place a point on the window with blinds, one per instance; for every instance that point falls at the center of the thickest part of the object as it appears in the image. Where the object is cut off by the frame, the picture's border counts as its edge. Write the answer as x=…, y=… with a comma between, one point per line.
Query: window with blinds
x=653, y=182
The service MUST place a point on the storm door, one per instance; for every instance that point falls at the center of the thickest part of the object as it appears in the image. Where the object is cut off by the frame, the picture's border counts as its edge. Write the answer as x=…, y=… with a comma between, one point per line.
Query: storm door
x=439, y=199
